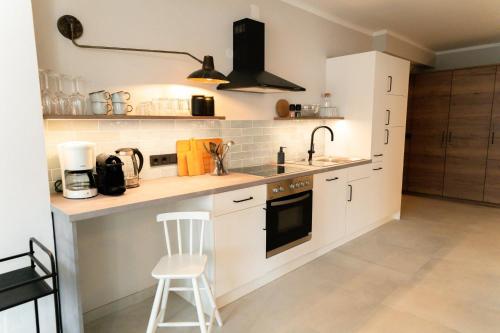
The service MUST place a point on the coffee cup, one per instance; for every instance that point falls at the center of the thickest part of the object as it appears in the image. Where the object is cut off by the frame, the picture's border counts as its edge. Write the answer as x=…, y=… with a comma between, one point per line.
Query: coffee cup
x=121, y=108
x=100, y=107
x=99, y=96
x=120, y=96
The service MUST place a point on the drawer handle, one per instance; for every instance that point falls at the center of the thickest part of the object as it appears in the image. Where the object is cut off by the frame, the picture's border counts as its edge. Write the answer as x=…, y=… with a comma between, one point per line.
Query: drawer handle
x=390, y=83
x=350, y=193
x=378, y=155
x=332, y=179
x=242, y=200
x=376, y=169
x=388, y=121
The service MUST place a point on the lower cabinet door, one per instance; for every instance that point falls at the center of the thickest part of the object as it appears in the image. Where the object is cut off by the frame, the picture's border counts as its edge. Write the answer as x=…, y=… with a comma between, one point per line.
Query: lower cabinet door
x=359, y=207
x=378, y=192
x=240, y=248
x=329, y=207
x=393, y=171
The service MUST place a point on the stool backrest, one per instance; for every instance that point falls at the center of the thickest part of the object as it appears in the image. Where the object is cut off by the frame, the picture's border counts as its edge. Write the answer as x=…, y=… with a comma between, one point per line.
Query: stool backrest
x=200, y=217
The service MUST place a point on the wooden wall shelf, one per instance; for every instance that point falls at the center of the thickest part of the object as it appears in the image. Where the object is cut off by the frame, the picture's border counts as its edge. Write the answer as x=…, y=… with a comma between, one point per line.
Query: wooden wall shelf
x=131, y=117
x=310, y=118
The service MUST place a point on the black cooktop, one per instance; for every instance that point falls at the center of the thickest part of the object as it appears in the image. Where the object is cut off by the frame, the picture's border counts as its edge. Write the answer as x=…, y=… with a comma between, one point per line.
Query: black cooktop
x=268, y=170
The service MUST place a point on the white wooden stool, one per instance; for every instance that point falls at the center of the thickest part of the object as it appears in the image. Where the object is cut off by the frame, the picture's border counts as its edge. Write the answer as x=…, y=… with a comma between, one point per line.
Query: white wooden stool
x=182, y=266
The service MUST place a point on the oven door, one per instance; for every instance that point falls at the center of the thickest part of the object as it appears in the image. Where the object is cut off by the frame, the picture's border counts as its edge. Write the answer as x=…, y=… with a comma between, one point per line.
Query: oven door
x=288, y=222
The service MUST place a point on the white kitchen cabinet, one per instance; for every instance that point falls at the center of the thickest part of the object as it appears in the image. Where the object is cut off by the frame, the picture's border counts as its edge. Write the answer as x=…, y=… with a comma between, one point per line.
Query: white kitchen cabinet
x=392, y=75
x=240, y=248
x=393, y=169
x=329, y=206
x=358, y=207
x=378, y=192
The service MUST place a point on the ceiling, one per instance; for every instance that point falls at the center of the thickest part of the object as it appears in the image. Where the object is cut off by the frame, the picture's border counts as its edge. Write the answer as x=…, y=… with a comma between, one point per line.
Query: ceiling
x=436, y=24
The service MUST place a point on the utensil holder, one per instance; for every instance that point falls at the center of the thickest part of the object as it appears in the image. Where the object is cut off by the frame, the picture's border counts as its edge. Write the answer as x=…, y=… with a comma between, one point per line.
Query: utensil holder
x=218, y=168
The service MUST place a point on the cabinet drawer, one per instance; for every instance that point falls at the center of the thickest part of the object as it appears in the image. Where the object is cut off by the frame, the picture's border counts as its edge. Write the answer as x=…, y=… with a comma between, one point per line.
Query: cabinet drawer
x=238, y=200
x=358, y=172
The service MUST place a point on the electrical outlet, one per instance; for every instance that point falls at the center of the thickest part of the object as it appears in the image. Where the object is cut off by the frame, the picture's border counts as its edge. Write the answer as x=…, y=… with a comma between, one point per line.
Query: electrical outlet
x=164, y=159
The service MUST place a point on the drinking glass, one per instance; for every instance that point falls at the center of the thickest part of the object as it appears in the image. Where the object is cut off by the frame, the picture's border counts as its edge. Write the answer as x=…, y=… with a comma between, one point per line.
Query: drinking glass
x=45, y=94
x=77, y=99
x=63, y=102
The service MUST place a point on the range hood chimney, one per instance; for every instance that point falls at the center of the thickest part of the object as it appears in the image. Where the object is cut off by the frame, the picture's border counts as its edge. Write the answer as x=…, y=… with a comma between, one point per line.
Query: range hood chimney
x=248, y=73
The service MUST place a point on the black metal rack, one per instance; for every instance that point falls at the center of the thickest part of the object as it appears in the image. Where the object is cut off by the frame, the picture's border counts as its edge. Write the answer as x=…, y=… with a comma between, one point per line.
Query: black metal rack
x=26, y=284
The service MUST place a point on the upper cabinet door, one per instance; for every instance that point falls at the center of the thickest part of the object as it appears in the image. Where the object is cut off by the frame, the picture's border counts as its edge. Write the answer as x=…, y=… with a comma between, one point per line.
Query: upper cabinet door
x=468, y=132
x=428, y=115
x=393, y=75
x=492, y=184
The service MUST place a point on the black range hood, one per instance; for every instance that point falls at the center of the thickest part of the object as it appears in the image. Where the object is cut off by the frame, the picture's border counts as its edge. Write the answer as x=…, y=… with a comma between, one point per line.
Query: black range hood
x=248, y=73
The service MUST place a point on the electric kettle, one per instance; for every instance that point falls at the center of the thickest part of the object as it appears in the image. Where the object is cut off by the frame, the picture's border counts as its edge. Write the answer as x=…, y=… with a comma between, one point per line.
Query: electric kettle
x=131, y=168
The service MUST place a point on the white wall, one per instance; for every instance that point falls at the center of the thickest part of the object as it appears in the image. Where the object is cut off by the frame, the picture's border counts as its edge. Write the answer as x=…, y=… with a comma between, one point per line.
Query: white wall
x=24, y=198
x=297, y=44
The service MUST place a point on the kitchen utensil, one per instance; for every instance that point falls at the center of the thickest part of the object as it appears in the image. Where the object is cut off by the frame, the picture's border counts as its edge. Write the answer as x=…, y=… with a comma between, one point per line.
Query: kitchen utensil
x=100, y=107
x=226, y=148
x=282, y=108
x=99, y=96
x=121, y=108
x=205, y=158
x=110, y=177
x=131, y=168
x=120, y=96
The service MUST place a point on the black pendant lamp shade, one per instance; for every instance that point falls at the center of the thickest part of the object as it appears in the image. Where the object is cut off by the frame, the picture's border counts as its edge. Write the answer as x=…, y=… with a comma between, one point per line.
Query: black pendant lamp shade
x=207, y=73
x=71, y=28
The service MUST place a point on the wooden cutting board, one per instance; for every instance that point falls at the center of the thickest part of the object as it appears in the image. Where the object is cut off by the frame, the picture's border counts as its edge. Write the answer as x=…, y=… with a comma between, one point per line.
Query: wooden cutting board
x=192, y=158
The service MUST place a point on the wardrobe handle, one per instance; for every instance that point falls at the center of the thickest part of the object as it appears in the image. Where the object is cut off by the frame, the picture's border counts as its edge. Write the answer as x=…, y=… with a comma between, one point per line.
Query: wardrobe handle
x=388, y=122
x=386, y=137
x=492, y=138
x=390, y=83
x=350, y=193
x=377, y=169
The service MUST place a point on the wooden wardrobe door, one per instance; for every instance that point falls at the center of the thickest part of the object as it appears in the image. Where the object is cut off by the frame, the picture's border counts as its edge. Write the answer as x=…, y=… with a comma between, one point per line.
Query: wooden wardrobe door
x=468, y=132
x=492, y=184
x=429, y=121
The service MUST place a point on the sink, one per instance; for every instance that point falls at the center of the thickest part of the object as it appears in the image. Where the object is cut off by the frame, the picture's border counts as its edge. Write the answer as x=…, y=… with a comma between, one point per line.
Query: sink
x=325, y=161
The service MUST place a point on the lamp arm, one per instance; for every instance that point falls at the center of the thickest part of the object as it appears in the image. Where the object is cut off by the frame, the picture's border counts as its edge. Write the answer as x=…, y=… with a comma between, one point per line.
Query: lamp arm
x=127, y=48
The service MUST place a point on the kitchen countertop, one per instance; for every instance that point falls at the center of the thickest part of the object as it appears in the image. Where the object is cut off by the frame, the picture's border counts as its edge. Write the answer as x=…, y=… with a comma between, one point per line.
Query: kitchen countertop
x=161, y=190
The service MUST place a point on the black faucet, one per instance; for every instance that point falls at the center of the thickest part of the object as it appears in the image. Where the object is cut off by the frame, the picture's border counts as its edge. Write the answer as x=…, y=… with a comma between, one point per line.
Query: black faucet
x=311, y=149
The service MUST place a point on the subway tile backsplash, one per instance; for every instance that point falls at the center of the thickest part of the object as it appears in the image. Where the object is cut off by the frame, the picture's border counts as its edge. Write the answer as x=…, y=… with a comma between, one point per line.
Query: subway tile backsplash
x=256, y=141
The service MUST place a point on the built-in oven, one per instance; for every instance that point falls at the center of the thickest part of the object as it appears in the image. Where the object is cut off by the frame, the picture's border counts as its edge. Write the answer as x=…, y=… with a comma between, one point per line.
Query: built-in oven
x=288, y=214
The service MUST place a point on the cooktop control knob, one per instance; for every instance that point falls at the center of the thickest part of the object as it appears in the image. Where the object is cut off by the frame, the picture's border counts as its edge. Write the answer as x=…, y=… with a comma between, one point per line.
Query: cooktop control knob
x=307, y=182
x=292, y=186
x=301, y=184
x=275, y=190
x=281, y=189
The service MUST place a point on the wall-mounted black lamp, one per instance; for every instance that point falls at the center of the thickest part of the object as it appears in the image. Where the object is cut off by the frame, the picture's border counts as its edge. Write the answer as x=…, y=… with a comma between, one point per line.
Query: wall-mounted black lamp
x=71, y=28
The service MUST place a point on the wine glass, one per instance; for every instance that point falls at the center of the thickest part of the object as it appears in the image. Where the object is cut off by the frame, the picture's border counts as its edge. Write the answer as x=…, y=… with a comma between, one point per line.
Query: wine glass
x=45, y=92
x=62, y=105
x=77, y=100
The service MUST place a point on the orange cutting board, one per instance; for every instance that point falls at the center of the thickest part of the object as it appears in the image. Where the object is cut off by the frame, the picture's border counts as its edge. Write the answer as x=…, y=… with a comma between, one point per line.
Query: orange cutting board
x=192, y=157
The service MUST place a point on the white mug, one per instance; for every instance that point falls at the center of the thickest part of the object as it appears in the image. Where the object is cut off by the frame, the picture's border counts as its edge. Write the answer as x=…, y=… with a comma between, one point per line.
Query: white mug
x=99, y=96
x=121, y=108
x=120, y=96
x=100, y=107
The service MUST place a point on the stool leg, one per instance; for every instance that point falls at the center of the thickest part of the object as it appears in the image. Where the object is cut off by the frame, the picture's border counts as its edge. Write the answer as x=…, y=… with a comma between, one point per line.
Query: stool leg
x=36, y=317
x=211, y=299
x=156, y=304
x=199, y=308
x=164, y=299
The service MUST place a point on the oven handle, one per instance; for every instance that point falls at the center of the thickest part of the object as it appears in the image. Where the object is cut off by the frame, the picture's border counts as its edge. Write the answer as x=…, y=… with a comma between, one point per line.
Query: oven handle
x=290, y=201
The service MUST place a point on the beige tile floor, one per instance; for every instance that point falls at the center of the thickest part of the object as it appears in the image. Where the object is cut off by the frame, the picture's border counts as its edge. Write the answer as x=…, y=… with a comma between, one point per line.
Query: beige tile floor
x=435, y=270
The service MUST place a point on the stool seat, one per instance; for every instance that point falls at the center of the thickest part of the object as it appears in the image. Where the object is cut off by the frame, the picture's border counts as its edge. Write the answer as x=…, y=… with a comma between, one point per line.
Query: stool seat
x=182, y=266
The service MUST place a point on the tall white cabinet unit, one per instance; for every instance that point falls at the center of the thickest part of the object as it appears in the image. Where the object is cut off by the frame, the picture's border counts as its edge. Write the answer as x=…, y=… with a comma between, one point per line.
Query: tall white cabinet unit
x=370, y=90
